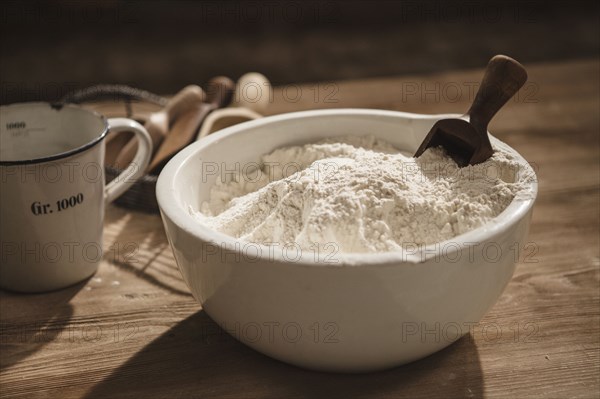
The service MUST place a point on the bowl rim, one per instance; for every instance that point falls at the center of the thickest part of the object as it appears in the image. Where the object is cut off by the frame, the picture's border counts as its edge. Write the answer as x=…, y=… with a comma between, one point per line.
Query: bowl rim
x=172, y=208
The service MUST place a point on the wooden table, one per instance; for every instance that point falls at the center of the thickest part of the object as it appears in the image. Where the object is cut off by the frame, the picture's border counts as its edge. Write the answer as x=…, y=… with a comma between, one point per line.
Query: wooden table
x=133, y=330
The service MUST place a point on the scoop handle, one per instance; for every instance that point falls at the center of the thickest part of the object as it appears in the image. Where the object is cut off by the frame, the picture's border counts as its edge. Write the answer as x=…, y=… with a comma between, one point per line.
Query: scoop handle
x=503, y=78
x=220, y=91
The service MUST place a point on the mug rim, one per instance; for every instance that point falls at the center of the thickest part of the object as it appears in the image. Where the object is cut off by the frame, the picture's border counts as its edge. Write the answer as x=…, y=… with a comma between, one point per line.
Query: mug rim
x=64, y=154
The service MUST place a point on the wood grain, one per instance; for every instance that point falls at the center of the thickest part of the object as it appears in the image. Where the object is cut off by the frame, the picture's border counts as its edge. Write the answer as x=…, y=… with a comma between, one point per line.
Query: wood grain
x=133, y=330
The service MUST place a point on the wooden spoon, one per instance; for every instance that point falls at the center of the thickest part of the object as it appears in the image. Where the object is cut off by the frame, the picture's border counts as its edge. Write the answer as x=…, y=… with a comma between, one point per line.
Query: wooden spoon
x=219, y=93
x=159, y=122
x=466, y=140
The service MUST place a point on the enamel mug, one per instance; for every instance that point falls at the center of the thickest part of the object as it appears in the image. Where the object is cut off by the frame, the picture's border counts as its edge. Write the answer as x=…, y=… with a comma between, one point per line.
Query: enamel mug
x=53, y=194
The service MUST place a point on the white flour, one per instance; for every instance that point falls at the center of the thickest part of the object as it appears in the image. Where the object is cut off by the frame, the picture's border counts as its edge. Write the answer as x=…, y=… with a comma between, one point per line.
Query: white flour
x=360, y=194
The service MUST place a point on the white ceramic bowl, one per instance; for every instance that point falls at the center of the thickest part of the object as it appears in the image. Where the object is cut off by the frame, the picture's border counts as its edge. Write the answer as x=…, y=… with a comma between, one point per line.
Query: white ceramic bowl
x=366, y=312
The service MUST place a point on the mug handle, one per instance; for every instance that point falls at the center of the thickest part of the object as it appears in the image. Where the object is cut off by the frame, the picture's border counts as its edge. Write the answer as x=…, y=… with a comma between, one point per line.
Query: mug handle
x=140, y=162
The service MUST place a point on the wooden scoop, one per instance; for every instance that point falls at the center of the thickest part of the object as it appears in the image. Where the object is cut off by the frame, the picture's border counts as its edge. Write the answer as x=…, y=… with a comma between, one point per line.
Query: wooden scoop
x=252, y=91
x=251, y=96
x=219, y=93
x=159, y=122
x=466, y=140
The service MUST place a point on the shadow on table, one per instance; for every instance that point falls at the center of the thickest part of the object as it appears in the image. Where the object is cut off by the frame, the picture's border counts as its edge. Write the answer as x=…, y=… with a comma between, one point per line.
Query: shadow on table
x=140, y=240
x=30, y=321
x=198, y=359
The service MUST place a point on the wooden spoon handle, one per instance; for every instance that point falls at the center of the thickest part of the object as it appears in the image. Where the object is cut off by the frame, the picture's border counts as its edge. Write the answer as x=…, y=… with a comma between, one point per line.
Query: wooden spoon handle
x=181, y=134
x=503, y=78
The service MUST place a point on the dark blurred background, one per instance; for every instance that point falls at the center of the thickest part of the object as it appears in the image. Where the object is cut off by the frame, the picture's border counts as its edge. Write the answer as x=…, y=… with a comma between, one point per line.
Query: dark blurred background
x=51, y=47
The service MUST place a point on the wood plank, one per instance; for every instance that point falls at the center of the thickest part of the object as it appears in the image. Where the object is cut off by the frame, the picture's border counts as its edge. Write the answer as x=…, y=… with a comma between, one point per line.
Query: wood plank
x=134, y=330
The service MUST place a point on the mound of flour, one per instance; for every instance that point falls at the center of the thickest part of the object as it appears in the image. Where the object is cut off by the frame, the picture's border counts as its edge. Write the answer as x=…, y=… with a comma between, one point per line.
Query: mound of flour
x=360, y=194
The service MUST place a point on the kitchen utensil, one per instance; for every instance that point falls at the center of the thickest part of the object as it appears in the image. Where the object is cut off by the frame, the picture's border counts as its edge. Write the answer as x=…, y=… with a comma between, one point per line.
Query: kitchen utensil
x=466, y=139
x=225, y=117
x=252, y=91
x=328, y=310
x=251, y=96
x=158, y=124
x=53, y=192
x=219, y=92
